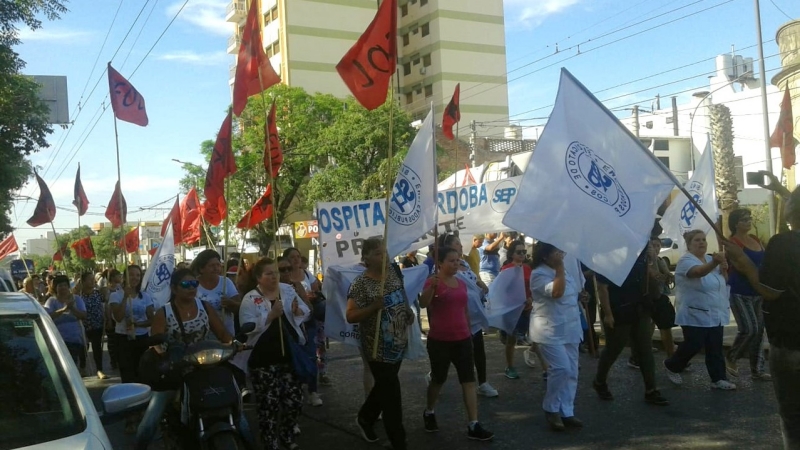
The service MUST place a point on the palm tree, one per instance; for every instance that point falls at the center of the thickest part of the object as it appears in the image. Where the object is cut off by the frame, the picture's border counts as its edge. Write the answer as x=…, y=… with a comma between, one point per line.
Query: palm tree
x=724, y=163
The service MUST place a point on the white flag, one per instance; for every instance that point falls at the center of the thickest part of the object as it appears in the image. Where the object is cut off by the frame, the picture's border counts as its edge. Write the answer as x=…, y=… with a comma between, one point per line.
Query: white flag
x=591, y=188
x=412, y=206
x=159, y=272
x=506, y=299
x=682, y=215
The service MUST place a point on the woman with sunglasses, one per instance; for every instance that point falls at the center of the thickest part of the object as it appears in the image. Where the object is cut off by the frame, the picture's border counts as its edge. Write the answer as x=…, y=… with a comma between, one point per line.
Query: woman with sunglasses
x=215, y=288
x=278, y=312
x=198, y=319
x=516, y=258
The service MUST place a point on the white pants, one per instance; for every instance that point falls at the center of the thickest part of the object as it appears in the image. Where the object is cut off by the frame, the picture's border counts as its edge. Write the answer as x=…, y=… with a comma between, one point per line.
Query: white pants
x=562, y=378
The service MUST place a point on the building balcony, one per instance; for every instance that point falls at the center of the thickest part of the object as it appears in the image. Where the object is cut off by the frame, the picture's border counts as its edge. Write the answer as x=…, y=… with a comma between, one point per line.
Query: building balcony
x=236, y=11
x=233, y=44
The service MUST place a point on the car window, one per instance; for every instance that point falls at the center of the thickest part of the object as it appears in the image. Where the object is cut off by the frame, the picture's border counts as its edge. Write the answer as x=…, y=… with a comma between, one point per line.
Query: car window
x=666, y=243
x=38, y=404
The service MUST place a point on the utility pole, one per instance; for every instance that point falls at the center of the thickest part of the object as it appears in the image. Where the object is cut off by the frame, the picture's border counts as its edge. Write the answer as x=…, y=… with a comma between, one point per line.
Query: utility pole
x=636, y=121
x=674, y=115
x=473, y=139
x=765, y=115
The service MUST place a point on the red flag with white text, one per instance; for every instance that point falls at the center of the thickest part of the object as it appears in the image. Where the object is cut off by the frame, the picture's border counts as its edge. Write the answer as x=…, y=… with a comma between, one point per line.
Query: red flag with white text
x=80, y=200
x=452, y=114
x=45, y=208
x=260, y=212
x=273, y=156
x=83, y=248
x=783, y=136
x=368, y=66
x=117, y=209
x=254, y=73
x=221, y=165
x=126, y=101
x=8, y=246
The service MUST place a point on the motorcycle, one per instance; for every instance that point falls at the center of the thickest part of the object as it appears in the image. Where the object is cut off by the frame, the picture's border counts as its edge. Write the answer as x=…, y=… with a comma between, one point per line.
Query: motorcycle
x=205, y=413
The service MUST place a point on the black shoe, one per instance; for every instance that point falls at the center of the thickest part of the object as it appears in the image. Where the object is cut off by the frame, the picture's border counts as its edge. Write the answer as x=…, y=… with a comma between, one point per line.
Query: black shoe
x=430, y=422
x=633, y=364
x=654, y=398
x=367, y=431
x=555, y=421
x=478, y=433
x=572, y=422
x=602, y=390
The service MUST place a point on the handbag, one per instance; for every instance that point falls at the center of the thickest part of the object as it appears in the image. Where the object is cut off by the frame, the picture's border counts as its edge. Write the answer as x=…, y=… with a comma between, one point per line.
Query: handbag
x=157, y=369
x=319, y=306
x=304, y=363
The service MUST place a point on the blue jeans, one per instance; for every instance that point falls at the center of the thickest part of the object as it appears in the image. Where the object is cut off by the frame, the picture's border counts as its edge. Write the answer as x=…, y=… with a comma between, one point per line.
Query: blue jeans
x=155, y=410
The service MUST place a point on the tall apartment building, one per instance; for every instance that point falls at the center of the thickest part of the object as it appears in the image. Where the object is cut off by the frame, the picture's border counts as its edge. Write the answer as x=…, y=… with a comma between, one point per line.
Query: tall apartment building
x=440, y=43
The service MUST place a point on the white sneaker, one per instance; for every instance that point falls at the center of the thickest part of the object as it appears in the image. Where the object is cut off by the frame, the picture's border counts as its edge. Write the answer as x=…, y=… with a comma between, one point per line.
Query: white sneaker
x=724, y=385
x=314, y=399
x=529, y=358
x=487, y=390
x=674, y=377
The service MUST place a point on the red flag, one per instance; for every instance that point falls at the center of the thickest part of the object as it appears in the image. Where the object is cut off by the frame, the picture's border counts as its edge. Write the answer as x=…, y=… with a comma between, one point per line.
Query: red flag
x=254, y=73
x=452, y=114
x=58, y=256
x=83, y=248
x=468, y=178
x=222, y=164
x=8, y=246
x=191, y=217
x=131, y=241
x=272, y=149
x=117, y=209
x=127, y=103
x=152, y=251
x=260, y=212
x=369, y=65
x=783, y=136
x=174, y=218
x=81, y=201
x=45, y=208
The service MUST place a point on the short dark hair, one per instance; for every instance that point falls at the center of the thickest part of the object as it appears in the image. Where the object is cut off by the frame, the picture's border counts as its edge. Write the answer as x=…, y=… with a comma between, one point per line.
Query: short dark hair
x=370, y=245
x=138, y=287
x=60, y=279
x=444, y=252
x=202, y=259
x=541, y=252
x=736, y=217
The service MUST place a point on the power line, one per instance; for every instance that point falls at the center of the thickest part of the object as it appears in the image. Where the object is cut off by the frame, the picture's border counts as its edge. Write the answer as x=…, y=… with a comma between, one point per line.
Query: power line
x=146, y=19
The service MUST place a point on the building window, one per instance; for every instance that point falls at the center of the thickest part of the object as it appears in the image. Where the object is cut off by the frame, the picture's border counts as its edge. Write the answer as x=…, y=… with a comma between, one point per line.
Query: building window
x=423, y=2
x=274, y=12
x=661, y=144
x=404, y=10
x=276, y=47
x=426, y=60
x=409, y=98
x=429, y=91
x=407, y=69
x=269, y=52
x=739, y=171
x=415, y=61
x=664, y=160
x=267, y=19
x=406, y=39
x=426, y=29
x=413, y=2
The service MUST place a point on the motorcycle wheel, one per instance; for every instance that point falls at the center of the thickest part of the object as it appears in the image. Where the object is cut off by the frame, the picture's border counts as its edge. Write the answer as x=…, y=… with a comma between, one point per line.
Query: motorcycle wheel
x=227, y=440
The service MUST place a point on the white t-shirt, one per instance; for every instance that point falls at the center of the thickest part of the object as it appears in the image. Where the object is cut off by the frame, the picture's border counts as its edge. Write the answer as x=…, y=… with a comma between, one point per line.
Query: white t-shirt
x=136, y=307
x=214, y=299
x=700, y=302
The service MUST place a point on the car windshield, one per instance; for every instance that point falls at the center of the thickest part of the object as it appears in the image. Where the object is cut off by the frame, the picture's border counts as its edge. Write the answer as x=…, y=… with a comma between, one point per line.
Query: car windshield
x=666, y=243
x=38, y=404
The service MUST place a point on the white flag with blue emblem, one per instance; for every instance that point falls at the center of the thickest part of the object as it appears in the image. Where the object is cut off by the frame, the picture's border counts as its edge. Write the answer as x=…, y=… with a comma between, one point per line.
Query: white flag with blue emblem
x=159, y=272
x=590, y=188
x=412, y=205
x=681, y=216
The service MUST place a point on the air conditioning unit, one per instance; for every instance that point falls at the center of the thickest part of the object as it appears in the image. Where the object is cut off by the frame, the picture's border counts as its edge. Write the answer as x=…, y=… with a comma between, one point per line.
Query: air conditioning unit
x=423, y=70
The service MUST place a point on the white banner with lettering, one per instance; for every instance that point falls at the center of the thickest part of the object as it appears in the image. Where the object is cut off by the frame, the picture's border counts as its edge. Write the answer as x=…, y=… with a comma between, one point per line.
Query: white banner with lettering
x=473, y=209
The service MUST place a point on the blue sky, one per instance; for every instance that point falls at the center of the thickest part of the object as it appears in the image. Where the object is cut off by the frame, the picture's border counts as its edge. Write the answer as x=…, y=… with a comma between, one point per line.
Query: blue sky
x=185, y=78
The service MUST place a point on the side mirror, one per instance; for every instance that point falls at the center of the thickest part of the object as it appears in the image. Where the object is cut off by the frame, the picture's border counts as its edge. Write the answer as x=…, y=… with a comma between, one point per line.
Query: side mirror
x=121, y=399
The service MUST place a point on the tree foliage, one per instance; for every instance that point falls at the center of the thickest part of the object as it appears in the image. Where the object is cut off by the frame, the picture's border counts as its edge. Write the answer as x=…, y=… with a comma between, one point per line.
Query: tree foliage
x=106, y=249
x=23, y=116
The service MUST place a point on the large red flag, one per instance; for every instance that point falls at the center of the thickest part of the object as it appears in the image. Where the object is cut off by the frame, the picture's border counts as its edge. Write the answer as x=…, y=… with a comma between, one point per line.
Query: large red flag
x=80, y=200
x=452, y=114
x=126, y=101
x=783, y=136
x=83, y=248
x=175, y=219
x=191, y=217
x=369, y=65
x=254, y=73
x=45, y=208
x=58, y=255
x=131, y=241
x=8, y=246
x=221, y=165
x=260, y=212
x=117, y=209
x=272, y=149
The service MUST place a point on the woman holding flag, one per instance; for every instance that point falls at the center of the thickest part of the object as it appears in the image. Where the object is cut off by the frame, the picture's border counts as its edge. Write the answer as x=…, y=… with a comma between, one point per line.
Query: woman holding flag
x=516, y=255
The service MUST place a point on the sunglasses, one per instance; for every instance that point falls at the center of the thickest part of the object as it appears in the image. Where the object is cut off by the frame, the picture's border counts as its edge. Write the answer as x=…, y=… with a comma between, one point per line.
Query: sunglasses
x=521, y=252
x=189, y=284
x=284, y=269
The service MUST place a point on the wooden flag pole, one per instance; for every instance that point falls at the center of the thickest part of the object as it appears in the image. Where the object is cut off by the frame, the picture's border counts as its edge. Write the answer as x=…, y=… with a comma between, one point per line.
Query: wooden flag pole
x=58, y=244
x=119, y=200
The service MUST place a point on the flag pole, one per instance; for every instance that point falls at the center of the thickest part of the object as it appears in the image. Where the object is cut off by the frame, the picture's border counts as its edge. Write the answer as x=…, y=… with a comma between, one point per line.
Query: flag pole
x=24, y=263
x=58, y=244
x=119, y=201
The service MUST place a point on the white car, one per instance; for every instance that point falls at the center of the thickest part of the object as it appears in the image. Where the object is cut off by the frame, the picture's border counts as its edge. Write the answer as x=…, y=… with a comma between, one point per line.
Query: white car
x=669, y=252
x=45, y=404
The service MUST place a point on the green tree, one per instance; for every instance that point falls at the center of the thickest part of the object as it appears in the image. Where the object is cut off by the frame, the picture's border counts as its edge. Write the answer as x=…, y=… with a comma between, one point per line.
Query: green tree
x=40, y=263
x=23, y=116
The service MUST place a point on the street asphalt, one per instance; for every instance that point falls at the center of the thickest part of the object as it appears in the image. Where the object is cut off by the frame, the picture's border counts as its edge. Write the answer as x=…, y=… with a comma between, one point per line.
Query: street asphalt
x=697, y=418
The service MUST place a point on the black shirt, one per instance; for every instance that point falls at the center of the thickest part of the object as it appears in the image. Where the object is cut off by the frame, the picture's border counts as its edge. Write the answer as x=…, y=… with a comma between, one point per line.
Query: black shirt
x=626, y=299
x=267, y=351
x=780, y=270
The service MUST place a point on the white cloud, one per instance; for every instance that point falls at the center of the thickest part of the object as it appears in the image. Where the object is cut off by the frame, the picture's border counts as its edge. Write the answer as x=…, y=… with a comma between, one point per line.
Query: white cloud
x=209, y=15
x=54, y=35
x=534, y=12
x=196, y=58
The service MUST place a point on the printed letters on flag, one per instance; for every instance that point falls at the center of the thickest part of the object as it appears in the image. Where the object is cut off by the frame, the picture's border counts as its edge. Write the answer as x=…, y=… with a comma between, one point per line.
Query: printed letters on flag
x=8, y=246
x=191, y=218
x=452, y=114
x=681, y=215
x=45, y=208
x=368, y=66
x=591, y=188
x=159, y=272
x=221, y=165
x=117, y=209
x=260, y=212
x=131, y=241
x=254, y=73
x=273, y=156
x=126, y=101
x=83, y=248
x=174, y=219
x=413, y=205
x=783, y=136
x=80, y=201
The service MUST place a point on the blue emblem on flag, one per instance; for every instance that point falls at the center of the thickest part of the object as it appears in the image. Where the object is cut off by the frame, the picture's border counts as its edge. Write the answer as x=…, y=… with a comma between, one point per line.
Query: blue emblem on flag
x=405, y=207
x=596, y=178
